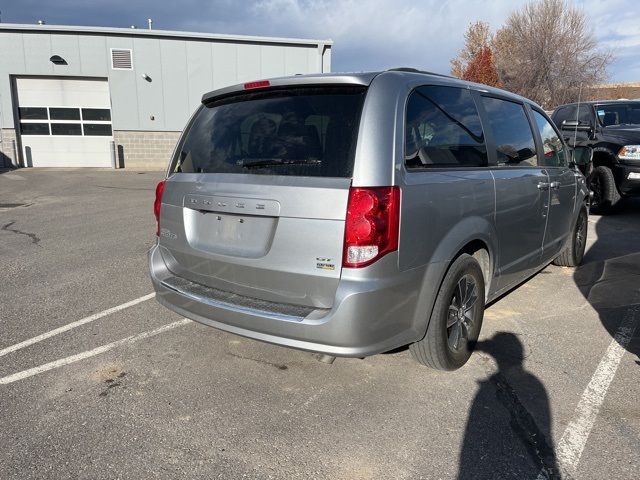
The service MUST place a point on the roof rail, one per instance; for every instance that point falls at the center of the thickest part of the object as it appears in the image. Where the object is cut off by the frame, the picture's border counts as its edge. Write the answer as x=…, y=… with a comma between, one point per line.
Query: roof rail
x=415, y=70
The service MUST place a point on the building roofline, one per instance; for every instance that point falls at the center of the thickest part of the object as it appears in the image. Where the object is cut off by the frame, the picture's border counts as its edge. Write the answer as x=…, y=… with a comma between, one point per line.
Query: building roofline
x=176, y=34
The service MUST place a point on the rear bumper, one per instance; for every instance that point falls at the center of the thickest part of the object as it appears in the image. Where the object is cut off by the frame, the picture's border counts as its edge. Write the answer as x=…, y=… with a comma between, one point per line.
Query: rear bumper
x=626, y=185
x=371, y=313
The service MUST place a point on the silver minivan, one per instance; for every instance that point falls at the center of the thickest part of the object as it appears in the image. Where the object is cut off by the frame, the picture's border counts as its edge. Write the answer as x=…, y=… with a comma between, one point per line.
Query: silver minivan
x=352, y=214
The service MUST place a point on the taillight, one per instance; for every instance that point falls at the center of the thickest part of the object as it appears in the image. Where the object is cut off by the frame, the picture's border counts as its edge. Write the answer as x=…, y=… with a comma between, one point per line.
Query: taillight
x=371, y=229
x=157, y=204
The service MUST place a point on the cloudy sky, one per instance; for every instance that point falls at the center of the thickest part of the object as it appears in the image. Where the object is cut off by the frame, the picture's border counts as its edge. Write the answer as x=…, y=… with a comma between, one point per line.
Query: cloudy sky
x=367, y=34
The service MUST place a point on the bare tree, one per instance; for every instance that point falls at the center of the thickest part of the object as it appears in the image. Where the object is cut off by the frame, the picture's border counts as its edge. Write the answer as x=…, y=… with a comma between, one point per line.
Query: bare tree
x=546, y=52
x=477, y=37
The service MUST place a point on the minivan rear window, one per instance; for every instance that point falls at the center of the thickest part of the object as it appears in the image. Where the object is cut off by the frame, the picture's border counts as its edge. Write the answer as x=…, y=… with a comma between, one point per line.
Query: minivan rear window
x=302, y=131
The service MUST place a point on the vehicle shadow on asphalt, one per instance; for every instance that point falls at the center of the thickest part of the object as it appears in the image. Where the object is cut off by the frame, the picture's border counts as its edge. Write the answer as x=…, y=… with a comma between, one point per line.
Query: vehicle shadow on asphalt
x=502, y=439
x=609, y=277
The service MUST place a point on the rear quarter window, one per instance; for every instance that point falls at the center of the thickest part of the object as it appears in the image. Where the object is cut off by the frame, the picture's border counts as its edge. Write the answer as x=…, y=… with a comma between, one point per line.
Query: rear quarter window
x=295, y=131
x=443, y=129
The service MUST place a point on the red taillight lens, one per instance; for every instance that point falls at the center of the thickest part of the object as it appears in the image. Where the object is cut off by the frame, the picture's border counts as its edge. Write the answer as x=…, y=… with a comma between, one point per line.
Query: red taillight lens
x=371, y=229
x=258, y=84
x=157, y=204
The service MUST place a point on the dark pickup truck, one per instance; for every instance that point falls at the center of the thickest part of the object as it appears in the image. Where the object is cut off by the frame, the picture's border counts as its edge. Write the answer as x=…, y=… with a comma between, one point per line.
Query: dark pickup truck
x=612, y=129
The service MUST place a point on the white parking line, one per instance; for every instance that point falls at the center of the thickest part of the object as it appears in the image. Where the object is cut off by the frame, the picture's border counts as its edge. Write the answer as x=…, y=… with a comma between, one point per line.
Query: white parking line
x=576, y=434
x=72, y=325
x=90, y=353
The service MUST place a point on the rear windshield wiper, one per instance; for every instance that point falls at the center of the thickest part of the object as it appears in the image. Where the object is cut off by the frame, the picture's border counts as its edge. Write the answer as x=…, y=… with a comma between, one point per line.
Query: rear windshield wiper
x=275, y=162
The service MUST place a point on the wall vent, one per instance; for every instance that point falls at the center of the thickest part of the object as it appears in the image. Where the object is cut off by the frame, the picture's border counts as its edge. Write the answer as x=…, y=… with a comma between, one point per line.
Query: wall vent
x=121, y=59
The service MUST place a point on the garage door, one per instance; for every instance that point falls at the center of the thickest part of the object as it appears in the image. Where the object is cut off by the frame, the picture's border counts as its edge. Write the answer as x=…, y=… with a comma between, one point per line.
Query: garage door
x=64, y=122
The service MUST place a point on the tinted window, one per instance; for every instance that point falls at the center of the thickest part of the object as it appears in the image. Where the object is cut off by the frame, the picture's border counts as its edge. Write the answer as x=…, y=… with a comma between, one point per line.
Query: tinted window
x=64, y=113
x=511, y=132
x=34, y=128
x=66, y=129
x=33, y=113
x=563, y=114
x=443, y=129
x=619, y=114
x=584, y=114
x=553, y=150
x=99, y=129
x=572, y=113
x=96, y=114
x=301, y=131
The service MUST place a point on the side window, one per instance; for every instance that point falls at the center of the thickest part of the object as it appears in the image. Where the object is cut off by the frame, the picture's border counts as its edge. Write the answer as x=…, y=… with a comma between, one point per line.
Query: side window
x=443, y=129
x=584, y=114
x=564, y=113
x=581, y=113
x=511, y=133
x=554, y=152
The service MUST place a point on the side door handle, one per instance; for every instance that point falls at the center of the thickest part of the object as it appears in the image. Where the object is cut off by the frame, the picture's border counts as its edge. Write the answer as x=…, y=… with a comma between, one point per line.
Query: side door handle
x=543, y=185
x=555, y=185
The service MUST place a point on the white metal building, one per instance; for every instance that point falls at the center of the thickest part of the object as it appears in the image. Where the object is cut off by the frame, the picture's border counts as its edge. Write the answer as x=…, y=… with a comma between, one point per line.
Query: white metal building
x=89, y=97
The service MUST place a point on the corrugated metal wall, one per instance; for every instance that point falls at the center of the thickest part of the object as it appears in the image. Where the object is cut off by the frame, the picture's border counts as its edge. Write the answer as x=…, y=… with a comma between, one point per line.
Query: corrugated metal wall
x=180, y=70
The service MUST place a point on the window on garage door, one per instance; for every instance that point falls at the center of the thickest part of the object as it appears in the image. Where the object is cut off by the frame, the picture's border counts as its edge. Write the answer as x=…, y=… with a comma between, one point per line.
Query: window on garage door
x=64, y=113
x=76, y=121
x=34, y=120
x=33, y=113
x=96, y=122
x=34, y=128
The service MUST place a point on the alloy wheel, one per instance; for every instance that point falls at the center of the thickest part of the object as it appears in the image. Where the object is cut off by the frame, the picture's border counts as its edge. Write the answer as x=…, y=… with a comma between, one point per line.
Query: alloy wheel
x=462, y=313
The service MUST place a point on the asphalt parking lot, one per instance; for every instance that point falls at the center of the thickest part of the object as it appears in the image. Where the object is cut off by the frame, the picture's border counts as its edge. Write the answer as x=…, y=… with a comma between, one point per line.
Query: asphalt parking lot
x=93, y=387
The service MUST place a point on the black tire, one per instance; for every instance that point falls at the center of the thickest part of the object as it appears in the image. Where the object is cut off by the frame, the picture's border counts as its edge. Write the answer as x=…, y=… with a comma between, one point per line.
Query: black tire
x=438, y=347
x=605, y=192
x=573, y=252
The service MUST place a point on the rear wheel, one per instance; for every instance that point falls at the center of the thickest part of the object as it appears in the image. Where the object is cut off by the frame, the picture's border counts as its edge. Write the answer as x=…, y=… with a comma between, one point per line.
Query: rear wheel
x=605, y=192
x=573, y=252
x=456, y=318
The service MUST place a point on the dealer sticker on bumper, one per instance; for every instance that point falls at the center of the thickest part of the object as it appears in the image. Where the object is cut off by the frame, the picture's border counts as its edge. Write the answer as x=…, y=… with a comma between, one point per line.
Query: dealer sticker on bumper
x=634, y=176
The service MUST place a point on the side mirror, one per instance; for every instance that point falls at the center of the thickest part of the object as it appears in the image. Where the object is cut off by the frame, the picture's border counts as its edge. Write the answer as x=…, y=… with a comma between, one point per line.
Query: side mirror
x=576, y=125
x=582, y=155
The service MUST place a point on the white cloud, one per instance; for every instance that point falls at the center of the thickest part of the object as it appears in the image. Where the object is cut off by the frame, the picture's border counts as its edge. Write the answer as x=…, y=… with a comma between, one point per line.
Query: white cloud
x=615, y=26
x=376, y=34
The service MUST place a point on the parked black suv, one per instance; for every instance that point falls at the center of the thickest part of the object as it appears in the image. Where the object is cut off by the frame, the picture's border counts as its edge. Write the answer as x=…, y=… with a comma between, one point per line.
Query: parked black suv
x=612, y=129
